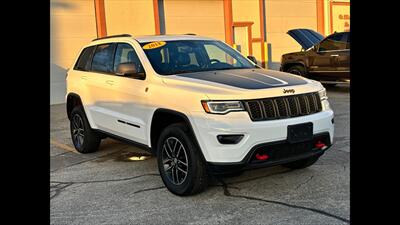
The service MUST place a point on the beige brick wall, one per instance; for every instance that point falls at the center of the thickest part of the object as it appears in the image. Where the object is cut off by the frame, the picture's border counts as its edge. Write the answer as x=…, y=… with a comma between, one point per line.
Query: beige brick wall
x=72, y=24
x=205, y=17
x=134, y=17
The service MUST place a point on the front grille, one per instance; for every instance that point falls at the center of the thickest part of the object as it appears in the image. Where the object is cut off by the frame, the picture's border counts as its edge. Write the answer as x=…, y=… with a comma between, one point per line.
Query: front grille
x=283, y=107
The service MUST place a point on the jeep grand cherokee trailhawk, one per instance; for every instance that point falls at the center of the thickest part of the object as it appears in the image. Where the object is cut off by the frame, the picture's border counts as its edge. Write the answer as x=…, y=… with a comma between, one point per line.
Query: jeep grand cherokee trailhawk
x=196, y=103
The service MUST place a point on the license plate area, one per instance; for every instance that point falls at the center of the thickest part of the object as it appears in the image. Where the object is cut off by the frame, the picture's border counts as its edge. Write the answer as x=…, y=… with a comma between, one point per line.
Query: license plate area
x=300, y=132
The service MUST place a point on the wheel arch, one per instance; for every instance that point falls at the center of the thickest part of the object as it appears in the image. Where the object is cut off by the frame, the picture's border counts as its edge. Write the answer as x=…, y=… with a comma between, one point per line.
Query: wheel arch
x=73, y=100
x=287, y=65
x=162, y=118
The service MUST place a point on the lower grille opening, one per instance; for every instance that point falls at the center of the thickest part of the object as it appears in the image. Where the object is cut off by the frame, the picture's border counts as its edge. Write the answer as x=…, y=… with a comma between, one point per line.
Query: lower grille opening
x=276, y=152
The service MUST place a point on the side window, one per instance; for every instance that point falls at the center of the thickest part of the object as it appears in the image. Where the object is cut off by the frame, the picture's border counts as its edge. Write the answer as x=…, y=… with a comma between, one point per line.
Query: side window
x=126, y=54
x=214, y=52
x=334, y=42
x=84, y=59
x=103, y=58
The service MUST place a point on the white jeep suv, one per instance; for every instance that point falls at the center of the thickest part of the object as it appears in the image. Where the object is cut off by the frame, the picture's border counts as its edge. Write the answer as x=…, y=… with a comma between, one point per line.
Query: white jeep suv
x=197, y=104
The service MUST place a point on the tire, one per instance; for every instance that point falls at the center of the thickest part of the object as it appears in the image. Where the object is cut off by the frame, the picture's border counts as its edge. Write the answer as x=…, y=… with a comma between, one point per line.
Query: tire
x=297, y=70
x=329, y=85
x=176, y=146
x=85, y=139
x=303, y=163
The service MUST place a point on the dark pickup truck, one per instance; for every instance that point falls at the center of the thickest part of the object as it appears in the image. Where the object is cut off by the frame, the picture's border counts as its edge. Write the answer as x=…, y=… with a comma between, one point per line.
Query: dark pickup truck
x=324, y=59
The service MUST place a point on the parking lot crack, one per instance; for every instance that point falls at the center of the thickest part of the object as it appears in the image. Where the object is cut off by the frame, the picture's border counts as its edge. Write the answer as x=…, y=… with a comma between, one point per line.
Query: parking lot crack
x=149, y=189
x=58, y=188
x=308, y=180
x=109, y=180
x=228, y=194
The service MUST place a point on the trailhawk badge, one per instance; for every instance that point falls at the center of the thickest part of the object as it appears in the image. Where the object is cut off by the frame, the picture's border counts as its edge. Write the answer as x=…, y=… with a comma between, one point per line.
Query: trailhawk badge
x=288, y=91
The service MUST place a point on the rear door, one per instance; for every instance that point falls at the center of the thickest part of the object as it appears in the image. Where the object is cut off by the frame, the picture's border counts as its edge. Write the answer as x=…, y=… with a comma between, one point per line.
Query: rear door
x=100, y=103
x=344, y=59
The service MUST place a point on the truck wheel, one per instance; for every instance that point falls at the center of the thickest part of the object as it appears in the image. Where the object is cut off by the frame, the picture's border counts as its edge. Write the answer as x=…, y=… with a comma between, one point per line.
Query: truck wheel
x=303, y=163
x=83, y=137
x=297, y=70
x=180, y=163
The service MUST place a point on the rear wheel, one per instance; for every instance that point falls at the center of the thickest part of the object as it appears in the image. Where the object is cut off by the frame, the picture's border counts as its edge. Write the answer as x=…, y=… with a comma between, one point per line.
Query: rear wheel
x=303, y=163
x=180, y=163
x=83, y=137
x=297, y=70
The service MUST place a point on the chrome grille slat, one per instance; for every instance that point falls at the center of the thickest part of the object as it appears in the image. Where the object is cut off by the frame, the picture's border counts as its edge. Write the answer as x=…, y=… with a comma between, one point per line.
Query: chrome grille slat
x=283, y=107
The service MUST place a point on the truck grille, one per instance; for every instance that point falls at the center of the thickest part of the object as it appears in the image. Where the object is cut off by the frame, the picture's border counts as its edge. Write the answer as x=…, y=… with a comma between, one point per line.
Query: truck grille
x=283, y=107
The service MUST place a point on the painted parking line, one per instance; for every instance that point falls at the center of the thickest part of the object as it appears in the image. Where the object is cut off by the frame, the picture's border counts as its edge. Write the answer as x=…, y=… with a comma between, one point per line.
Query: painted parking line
x=62, y=146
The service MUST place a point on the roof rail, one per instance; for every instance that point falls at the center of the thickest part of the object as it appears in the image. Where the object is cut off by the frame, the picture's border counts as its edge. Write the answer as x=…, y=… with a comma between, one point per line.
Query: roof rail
x=113, y=36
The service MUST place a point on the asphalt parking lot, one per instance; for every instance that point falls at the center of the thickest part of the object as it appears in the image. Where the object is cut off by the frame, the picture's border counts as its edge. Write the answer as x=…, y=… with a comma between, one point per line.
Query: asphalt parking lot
x=107, y=187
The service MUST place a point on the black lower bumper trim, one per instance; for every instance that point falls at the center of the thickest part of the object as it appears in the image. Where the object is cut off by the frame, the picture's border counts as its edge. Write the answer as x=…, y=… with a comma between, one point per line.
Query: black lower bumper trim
x=306, y=150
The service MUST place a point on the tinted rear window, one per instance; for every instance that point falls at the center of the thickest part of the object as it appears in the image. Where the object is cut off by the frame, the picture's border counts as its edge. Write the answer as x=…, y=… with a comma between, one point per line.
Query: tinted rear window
x=84, y=59
x=103, y=58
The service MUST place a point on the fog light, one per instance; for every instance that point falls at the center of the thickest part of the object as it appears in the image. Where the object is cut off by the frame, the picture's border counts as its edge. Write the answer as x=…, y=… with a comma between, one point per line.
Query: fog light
x=261, y=156
x=230, y=139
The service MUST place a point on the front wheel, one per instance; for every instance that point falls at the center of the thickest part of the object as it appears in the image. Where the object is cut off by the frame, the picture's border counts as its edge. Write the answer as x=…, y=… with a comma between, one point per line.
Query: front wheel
x=180, y=164
x=297, y=70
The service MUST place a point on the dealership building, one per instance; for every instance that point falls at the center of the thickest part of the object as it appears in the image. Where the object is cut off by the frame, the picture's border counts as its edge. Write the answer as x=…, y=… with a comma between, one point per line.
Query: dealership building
x=254, y=27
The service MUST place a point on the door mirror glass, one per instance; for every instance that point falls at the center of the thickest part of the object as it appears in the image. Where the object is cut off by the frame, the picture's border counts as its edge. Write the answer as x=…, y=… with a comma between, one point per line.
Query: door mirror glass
x=129, y=70
x=253, y=59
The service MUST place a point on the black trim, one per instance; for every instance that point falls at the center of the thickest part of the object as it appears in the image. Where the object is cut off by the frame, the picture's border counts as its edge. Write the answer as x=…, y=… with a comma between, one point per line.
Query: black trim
x=134, y=143
x=113, y=36
x=124, y=122
x=187, y=121
x=245, y=164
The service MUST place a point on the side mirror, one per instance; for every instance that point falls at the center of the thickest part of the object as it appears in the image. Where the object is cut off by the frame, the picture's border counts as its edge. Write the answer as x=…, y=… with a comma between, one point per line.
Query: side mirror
x=253, y=59
x=315, y=48
x=129, y=70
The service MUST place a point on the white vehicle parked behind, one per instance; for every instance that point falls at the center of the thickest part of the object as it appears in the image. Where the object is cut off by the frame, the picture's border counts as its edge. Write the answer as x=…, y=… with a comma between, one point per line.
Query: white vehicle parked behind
x=197, y=104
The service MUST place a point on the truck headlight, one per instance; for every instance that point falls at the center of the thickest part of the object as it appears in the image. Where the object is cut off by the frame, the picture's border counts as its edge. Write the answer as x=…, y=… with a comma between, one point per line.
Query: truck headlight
x=322, y=94
x=222, y=107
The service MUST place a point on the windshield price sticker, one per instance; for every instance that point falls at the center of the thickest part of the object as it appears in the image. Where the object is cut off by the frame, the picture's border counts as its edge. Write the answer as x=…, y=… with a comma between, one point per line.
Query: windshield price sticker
x=154, y=45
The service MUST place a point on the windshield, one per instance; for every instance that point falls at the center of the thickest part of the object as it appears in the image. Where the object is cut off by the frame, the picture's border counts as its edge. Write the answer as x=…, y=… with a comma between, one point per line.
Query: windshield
x=174, y=57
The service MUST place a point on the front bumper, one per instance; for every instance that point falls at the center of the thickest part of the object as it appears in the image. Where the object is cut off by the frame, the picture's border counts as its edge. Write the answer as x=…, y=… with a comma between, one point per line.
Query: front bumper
x=208, y=126
x=280, y=152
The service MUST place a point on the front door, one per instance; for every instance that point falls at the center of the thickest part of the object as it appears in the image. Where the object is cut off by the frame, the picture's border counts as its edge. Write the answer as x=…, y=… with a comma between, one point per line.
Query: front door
x=327, y=60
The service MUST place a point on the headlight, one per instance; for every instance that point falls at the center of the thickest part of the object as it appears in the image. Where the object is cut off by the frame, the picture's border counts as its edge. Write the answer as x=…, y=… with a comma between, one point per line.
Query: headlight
x=322, y=94
x=222, y=107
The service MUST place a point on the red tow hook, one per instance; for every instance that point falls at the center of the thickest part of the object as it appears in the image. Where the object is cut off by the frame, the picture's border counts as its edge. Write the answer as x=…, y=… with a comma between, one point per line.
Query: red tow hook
x=320, y=145
x=262, y=157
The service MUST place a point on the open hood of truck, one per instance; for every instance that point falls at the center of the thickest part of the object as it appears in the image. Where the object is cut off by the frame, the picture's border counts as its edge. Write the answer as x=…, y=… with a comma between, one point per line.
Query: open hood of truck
x=306, y=37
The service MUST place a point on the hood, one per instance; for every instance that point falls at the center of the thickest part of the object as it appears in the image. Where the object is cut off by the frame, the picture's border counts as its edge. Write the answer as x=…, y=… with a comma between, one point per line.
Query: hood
x=240, y=83
x=246, y=78
x=306, y=37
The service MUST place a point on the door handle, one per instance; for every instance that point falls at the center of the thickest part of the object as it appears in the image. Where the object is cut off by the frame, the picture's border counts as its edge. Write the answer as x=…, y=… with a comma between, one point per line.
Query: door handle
x=110, y=82
x=84, y=77
x=334, y=55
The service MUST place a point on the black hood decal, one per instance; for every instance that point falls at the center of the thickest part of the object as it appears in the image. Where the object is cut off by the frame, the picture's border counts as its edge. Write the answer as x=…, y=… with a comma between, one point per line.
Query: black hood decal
x=247, y=78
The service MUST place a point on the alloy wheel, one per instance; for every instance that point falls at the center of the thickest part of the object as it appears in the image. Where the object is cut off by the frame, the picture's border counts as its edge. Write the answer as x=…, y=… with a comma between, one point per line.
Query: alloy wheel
x=77, y=130
x=175, y=160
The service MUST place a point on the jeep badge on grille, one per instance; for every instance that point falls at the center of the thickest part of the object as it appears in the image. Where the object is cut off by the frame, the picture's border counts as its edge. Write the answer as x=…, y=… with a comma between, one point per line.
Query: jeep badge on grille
x=288, y=91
